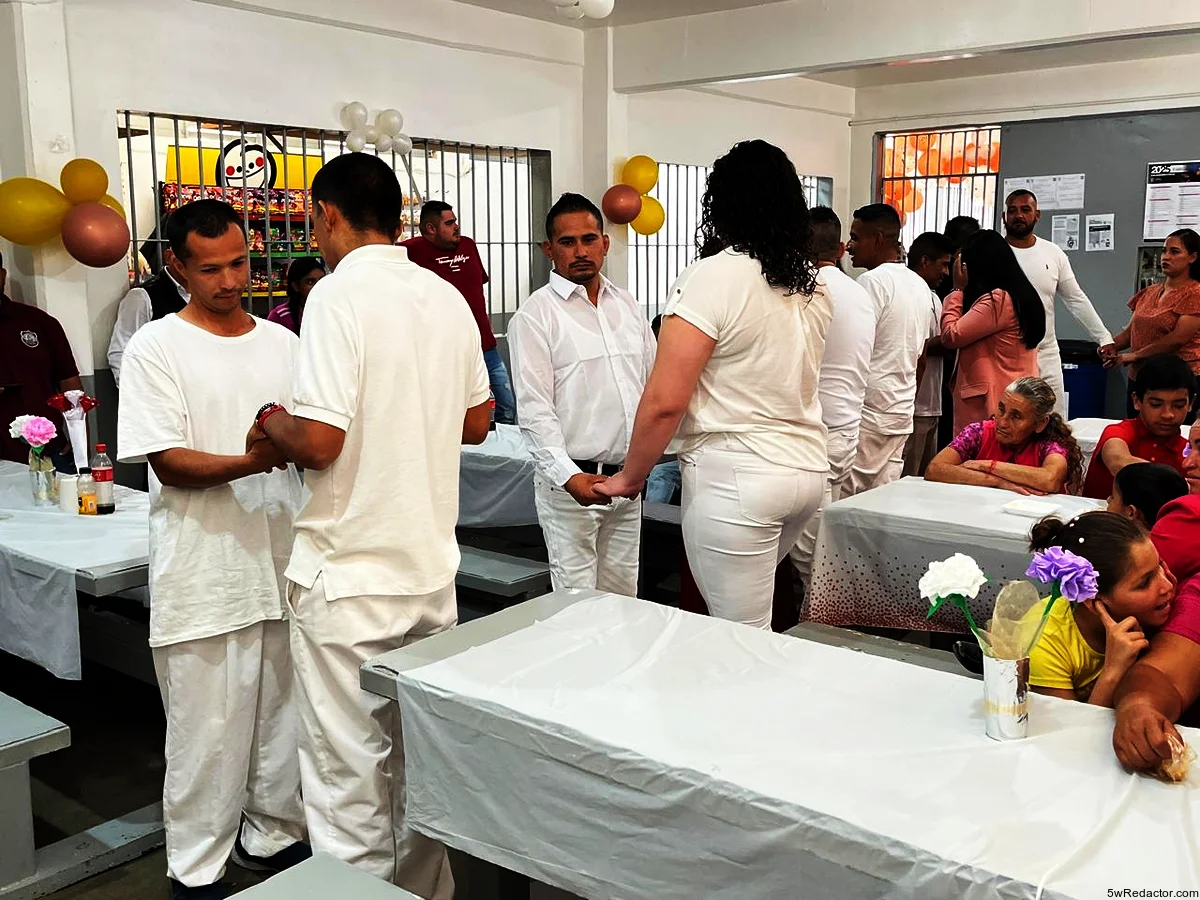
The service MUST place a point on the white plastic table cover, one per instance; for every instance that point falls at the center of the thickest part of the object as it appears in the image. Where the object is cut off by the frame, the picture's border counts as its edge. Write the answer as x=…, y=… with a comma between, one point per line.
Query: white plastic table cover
x=40, y=551
x=873, y=548
x=495, y=482
x=1087, y=433
x=621, y=749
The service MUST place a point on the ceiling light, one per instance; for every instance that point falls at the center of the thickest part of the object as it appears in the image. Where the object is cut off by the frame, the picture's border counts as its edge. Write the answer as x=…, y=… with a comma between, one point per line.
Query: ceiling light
x=579, y=9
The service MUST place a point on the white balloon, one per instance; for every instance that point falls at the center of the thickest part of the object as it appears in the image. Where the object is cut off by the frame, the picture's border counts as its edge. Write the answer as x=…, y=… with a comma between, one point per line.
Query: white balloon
x=596, y=9
x=562, y=2
x=355, y=141
x=571, y=12
x=384, y=143
x=371, y=133
x=390, y=122
x=402, y=144
x=354, y=116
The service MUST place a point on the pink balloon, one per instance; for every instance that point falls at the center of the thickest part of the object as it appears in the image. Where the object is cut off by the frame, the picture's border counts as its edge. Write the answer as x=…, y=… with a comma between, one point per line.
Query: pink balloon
x=621, y=204
x=95, y=235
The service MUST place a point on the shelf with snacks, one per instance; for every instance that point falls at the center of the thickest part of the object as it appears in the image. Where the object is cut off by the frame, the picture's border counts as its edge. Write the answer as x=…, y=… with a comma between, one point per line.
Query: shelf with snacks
x=257, y=204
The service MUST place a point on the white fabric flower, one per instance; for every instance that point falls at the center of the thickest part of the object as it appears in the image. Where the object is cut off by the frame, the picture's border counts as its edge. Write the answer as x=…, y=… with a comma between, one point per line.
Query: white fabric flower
x=959, y=574
x=17, y=426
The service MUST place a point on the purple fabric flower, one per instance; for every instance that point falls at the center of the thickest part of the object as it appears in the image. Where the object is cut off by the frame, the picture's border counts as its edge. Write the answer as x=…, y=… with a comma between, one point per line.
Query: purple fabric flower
x=1074, y=576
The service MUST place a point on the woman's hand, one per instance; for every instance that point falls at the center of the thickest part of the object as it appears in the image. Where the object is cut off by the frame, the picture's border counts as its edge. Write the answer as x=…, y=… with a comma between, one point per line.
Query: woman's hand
x=1108, y=355
x=1124, y=641
x=1128, y=358
x=960, y=273
x=619, y=485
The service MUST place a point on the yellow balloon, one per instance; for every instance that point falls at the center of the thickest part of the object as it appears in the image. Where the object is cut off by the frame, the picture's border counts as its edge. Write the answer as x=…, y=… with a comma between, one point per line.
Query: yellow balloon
x=84, y=181
x=114, y=204
x=651, y=218
x=31, y=211
x=641, y=173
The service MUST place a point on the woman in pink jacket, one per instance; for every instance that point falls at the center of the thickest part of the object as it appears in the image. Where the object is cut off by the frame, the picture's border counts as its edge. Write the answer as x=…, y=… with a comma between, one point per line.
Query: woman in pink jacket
x=996, y=331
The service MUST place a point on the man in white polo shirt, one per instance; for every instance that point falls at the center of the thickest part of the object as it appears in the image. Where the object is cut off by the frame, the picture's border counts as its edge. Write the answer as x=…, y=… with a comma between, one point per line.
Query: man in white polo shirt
x=390, y=381
x=581, y=351
x=903, y=323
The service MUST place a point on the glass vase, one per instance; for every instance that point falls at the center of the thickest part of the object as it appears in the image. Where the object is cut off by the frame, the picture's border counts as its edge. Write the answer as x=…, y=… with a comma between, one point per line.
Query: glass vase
x=41, y=480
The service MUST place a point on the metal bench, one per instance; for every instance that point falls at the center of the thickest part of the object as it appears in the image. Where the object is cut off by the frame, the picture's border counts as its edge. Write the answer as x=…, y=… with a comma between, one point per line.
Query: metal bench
x=325, y=878
x=510, y=577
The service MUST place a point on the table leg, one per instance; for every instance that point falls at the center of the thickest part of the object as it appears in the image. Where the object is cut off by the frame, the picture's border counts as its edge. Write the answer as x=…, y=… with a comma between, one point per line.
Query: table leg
x=17, y=859
x=512, y=885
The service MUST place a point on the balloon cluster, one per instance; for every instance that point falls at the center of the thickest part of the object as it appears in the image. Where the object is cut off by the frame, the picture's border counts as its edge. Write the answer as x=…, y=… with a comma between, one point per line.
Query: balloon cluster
x=627, y=203
x=91, y=222
x=952, y=156
x=386, y=134
x=579, y=9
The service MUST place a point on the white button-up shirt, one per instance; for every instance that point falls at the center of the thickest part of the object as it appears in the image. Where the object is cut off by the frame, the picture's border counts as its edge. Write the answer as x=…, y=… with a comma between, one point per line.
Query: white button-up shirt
x=578, y=373
x=134, y=312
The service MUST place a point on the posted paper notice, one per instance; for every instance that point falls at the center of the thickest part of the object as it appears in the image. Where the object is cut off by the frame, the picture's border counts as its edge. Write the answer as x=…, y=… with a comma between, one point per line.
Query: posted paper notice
x=1052, y=191
x=1065, y=231
x=1100, y=232
x=1172, y=198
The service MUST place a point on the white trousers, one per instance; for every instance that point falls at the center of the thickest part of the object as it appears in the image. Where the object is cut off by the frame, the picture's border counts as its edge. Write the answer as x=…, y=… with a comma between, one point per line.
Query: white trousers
x=231, y=749
x=590, y=546
x=879, y=460
x=741, y=516
x=1050, y=369
x=351, y=745
x=842, y=447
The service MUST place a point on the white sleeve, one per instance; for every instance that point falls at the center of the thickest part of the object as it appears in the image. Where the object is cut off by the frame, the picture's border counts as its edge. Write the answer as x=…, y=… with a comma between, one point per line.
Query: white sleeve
x=481, y=384
x=1077, y=302
x=533, y=384
x=150, y=417
x=132, y=314
x=699, y=301
x=327, y=366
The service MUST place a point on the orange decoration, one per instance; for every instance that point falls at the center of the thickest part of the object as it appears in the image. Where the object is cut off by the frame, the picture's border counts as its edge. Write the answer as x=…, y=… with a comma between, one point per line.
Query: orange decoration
x=956, y=168
x=895, y=164
x=929, y=163
x=993, y=162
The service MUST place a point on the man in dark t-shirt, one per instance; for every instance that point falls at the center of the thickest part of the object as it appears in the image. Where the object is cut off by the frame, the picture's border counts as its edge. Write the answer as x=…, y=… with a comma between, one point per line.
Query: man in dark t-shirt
x=443, y=250
x=35, y=364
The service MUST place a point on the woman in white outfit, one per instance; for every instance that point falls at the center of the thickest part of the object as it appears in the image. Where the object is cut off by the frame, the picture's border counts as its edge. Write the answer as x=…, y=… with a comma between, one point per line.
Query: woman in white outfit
x=736, y=376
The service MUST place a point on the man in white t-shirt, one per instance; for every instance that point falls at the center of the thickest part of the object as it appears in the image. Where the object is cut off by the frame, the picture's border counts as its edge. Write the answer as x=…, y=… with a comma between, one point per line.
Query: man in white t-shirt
x=929, y=256
x=845, y=368
x=903, y=324
x=221, y=516
x=390, y=381
x=581, y=352
x=1046, y=266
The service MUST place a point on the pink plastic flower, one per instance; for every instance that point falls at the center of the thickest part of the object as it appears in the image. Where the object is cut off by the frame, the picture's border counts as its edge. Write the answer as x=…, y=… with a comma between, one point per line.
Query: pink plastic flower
x=38, y=431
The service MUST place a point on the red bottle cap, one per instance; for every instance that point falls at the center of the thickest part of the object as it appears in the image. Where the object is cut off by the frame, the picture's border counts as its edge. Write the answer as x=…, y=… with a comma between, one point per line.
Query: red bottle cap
x=101, y=448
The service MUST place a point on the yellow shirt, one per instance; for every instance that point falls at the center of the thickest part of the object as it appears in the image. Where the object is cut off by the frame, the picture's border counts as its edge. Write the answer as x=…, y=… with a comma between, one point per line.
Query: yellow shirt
x=1062, y=658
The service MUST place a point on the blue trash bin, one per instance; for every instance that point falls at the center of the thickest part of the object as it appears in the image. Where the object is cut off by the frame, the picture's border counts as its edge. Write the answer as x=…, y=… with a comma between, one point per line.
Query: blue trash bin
x=1084, y=378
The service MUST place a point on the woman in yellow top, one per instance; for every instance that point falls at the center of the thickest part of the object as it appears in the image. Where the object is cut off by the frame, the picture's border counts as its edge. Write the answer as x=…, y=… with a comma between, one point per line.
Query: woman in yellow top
x=1088, y=646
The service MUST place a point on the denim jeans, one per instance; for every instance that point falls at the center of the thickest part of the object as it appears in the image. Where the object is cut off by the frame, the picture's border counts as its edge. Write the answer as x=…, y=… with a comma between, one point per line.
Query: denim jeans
x=506, y=403
x=665, y=479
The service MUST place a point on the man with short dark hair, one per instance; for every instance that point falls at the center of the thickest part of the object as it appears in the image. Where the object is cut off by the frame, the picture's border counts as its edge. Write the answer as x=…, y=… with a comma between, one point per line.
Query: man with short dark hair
x=582, y=350
x=1163, y=396
x=36, y=363
x=929, y=257
x=1049, y=271
x=220, y=528
x=442, y=249
x=390, y=382
x=903, y=323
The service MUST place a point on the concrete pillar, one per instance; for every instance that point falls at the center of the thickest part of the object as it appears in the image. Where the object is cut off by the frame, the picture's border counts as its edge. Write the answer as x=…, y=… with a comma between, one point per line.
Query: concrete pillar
x=605, y=139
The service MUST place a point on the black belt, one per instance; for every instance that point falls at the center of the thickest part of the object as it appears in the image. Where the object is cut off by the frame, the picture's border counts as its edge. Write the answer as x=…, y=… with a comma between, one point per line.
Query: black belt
x=595, y=468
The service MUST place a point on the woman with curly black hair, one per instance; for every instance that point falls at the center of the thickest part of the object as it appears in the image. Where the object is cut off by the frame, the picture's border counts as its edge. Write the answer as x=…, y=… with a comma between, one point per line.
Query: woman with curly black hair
x=736, y=377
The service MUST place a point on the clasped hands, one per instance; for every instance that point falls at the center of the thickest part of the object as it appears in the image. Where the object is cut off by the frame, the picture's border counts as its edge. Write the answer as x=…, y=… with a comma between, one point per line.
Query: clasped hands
x=1112, y=357
x=598, y=490
x=262, y=453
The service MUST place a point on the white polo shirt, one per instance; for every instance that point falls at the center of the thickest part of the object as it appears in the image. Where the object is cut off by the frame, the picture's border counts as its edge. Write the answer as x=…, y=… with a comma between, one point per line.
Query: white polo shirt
x=390, y=354
x=846, y=365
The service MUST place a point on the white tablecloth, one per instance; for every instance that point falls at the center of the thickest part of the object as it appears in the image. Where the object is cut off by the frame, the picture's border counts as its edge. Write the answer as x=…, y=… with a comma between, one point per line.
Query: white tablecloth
x=620, y=749
x=41, y=550
x=873, y=548
x=1087, y=432
x=495, y=482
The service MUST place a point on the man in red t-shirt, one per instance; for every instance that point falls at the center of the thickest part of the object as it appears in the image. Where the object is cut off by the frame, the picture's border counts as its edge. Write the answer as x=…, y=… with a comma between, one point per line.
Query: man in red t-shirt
x=443, y=250
x=1163, y=396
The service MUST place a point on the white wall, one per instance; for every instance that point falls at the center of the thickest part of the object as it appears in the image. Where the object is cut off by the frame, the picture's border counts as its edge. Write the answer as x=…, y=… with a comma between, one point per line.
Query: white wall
x=197, y=58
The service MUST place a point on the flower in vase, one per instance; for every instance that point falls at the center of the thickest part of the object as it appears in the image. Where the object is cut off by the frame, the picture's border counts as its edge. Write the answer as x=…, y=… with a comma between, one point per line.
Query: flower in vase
x=37, y=431
x=1075, y=577
x=958, y=576
x=16, y=426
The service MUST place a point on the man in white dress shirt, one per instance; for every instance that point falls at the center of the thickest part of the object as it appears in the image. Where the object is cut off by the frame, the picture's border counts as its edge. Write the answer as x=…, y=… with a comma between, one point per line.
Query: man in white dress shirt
x=903, y=323
x=845, y=369
x=581, y=351
x=150, y=301
x=1046, y=266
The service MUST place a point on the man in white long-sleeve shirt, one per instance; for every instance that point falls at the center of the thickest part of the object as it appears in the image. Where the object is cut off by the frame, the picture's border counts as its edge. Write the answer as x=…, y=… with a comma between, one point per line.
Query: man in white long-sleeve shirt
x=581, y=351
x=1048, y=269
x=154, y=299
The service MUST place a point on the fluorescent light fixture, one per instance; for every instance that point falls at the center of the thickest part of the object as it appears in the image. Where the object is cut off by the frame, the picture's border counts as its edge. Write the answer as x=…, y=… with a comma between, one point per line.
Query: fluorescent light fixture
x=778, y=76
x=949, y=57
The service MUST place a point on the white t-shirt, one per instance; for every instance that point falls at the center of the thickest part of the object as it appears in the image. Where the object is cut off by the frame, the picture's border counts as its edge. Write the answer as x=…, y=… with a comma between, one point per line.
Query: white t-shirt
x=902, y=326
x=929, y=391
x=760, y=385
x=216, y=555
x=391, y=355
x=1046, y=266
x=848, y=345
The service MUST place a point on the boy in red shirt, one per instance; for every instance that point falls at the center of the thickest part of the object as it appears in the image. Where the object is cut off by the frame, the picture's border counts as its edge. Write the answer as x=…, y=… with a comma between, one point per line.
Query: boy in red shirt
x=1163, y=397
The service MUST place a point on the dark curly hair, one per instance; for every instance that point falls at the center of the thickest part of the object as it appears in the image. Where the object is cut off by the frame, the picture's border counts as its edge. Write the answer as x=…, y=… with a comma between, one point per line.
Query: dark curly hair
x=754, y=204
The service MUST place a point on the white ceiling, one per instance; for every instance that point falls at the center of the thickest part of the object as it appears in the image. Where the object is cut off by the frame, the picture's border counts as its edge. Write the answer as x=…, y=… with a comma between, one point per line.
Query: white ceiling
x=626, y=12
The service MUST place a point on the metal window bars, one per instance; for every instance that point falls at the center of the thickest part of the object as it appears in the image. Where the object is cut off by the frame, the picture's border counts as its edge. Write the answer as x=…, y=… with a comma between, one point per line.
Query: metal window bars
x=932, y=176
x=656, y=260
x=265, y=171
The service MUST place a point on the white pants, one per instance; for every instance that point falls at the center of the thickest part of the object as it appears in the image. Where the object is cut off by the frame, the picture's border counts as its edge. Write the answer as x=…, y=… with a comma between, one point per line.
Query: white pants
x=230, y=749
x=741, y=516
x=1050, y=369
x=590, y=546
x=842, y=448
x=879, y=460
x=351, y=746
